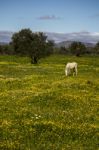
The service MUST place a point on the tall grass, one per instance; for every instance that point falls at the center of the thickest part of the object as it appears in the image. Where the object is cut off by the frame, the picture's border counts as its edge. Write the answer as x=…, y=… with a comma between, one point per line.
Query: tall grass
x=42, y=109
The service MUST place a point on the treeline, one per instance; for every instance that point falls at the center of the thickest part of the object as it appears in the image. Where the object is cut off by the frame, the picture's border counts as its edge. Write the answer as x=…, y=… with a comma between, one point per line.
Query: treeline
x=78, y=49
x=36, y=45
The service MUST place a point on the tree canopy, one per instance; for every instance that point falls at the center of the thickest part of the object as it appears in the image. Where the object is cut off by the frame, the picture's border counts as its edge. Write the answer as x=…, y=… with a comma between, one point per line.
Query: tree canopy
x=35, y=45
x=77, y=48
x=96, y=48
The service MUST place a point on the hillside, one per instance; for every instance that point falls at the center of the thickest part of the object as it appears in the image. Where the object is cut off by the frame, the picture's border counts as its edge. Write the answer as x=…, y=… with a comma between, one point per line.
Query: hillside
x=42, y=109
x=68, y=43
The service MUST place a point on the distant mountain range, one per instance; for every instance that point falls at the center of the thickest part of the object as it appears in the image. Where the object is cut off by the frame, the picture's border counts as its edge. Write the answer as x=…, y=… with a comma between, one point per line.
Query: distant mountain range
x=66, y=44
x=65, y=39
x=61, y=39
x=5, y=36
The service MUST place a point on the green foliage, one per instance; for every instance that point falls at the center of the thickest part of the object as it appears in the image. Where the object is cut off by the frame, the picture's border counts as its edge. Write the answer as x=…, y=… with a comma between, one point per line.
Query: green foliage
x=35, y=45
x=6, y=49
x=96, y=48
x=22, y=41
x=63, y=50
x=77, y=48
x=42, y=109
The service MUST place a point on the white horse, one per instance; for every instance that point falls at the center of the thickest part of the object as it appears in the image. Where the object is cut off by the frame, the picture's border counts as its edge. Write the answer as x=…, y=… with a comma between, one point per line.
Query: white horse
x=71, y=68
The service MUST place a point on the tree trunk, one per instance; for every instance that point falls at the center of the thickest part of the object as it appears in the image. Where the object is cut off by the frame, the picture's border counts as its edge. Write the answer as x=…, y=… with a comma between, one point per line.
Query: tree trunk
x=33, y=60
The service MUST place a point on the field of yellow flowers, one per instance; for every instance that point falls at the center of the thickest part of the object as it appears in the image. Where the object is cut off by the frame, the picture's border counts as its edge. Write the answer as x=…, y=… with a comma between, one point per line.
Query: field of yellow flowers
x=42, y=109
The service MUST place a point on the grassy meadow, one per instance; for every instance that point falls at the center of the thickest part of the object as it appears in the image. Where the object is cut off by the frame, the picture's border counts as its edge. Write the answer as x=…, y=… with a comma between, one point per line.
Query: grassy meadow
x=42, y=109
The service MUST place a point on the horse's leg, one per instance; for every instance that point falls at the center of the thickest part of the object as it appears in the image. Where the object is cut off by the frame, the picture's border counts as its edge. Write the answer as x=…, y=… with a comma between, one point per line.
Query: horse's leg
x=76, y=71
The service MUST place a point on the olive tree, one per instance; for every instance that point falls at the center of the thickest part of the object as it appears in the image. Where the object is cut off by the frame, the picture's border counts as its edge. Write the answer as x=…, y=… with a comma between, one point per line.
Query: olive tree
x=35, y=45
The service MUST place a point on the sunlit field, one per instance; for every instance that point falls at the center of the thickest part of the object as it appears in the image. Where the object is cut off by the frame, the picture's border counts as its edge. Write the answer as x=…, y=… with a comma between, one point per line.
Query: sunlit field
x=42, y=109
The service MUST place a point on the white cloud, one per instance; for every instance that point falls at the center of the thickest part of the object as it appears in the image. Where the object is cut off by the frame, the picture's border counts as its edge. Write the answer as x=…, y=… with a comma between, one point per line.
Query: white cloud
x=87, y=37
x=48, y=17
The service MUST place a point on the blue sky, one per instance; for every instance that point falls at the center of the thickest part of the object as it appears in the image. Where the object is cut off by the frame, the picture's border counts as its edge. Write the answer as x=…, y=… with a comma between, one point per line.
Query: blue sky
x=60, y=16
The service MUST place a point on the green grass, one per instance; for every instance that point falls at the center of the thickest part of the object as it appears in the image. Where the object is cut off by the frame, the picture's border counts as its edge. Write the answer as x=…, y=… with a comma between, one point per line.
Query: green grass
x=42, y=109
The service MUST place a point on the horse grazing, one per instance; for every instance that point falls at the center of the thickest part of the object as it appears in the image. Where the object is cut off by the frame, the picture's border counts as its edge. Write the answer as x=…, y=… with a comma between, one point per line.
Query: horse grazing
x=71, y=68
